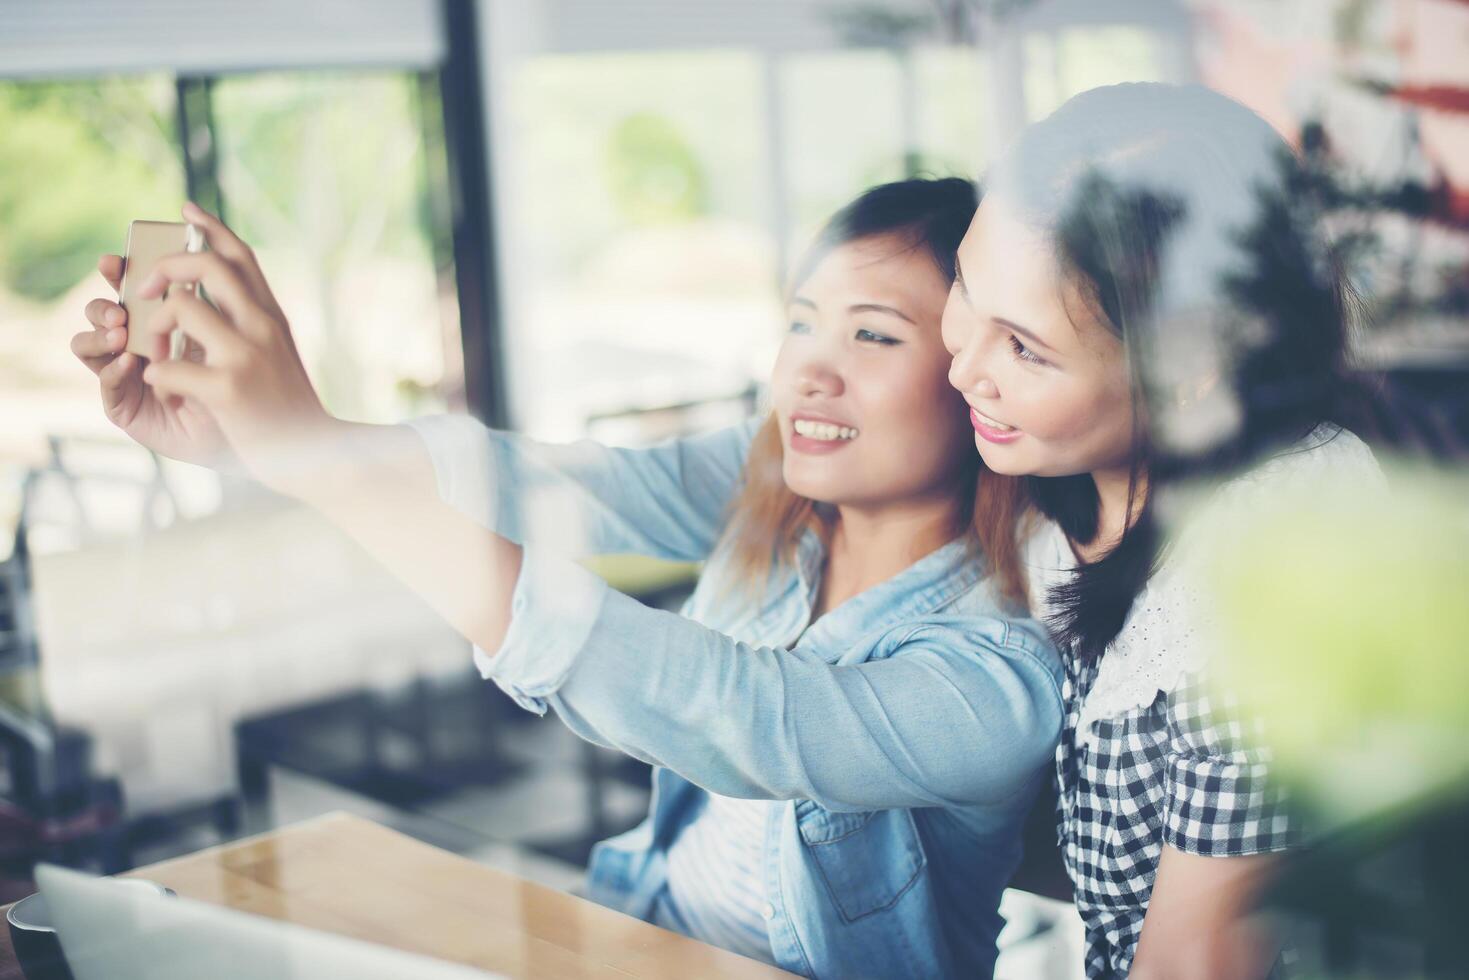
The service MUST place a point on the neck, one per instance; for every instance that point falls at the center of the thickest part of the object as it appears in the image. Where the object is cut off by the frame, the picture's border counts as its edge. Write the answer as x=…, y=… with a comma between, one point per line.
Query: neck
x=1113, y=515
x=870, y=545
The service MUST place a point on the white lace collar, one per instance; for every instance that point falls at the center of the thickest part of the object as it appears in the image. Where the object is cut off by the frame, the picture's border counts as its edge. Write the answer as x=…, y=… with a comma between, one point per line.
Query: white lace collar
x=1163, y=638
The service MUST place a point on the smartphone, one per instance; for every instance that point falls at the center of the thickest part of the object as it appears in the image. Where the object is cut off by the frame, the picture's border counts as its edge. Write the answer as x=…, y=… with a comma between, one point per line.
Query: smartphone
x=149, y=241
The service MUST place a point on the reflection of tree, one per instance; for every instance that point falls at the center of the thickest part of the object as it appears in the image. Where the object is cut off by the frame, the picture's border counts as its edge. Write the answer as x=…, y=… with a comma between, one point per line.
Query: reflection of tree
x=1358, y=207
x=331, y=166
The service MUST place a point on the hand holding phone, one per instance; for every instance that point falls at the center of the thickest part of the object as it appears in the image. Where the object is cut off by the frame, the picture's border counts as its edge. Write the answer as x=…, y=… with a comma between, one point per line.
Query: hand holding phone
x=249, y=377
x=172, y=427
x=149, y=241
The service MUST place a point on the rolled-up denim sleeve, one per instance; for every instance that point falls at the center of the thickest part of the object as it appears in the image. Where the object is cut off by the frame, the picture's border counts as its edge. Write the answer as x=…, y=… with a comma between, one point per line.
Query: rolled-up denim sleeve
x=578, y=499
x=962, y=710
x=553, y=611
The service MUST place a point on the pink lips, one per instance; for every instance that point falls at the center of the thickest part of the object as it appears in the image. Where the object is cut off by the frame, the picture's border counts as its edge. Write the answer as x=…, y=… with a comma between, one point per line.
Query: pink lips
x=989, y=433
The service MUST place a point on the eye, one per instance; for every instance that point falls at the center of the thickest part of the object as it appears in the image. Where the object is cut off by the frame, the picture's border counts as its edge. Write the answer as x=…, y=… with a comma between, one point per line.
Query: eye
x=800, y=326
x=868, y=337
x=1024, y=353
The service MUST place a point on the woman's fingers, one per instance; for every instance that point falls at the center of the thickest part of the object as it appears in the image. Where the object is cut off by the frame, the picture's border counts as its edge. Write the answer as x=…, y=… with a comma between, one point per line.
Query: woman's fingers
x=226, y=243
x=121, y=387
x=104, y=314
x=111, y=268
x=199, y=321
x=97, y=348
x=220, y=279
x=185, y=379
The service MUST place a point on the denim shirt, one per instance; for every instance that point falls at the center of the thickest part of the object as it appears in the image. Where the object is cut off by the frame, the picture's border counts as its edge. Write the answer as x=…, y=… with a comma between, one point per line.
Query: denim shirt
x=905, y=732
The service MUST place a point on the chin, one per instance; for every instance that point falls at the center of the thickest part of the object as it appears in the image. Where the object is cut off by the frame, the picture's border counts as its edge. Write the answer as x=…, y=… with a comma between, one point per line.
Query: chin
x=815, y=490
x=998, y=459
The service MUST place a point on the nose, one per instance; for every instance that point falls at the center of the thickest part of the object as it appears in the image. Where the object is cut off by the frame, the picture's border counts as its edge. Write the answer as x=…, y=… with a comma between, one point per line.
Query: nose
x=818, y=377
x=968, y=372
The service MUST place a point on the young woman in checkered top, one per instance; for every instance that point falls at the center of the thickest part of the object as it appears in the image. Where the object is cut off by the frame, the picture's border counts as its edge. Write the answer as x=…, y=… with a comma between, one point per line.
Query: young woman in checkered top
x=1144, y=321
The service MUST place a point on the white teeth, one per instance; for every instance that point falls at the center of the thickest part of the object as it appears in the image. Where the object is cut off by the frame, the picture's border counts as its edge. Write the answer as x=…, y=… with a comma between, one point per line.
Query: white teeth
x=823, y=430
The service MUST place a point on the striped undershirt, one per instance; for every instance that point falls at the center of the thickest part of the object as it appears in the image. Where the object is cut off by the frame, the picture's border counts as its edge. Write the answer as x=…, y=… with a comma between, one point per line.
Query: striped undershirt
x=716, y=874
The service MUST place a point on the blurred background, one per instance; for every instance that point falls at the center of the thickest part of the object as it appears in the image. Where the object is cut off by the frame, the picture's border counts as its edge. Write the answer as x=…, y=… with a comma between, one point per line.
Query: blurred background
x=571, y=218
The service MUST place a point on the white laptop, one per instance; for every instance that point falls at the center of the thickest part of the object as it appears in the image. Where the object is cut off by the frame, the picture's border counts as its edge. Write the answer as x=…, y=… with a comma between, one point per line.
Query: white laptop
x=111, y=931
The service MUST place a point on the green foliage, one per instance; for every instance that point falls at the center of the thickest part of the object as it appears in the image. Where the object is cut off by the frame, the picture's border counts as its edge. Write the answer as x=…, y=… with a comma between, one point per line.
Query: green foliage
x=80, y=161
x=1346, y=627
x=654, y=173
x=328, y=158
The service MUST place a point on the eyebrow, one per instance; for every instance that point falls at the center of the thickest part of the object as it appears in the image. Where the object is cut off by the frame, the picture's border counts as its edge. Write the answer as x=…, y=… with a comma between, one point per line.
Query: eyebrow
x=999, y=320
x=1028, y=335
x=859, y=308
x=879, y=308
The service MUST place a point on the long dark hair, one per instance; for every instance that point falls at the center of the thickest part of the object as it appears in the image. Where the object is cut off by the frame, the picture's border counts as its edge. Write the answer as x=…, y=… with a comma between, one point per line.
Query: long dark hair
x=767, y=517
x=1189, y=226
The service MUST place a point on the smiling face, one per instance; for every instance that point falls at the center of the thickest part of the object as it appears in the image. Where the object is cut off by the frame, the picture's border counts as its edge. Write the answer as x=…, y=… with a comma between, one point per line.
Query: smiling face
x=1045, y=379
x=866, y=418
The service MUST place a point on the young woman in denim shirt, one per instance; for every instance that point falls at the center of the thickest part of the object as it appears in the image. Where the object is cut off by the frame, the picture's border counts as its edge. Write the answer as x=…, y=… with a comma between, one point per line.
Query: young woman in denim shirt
x=847, y=724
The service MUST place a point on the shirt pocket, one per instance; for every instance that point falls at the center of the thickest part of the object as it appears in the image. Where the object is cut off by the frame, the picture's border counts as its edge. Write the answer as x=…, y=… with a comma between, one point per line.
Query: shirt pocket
x=867, y=860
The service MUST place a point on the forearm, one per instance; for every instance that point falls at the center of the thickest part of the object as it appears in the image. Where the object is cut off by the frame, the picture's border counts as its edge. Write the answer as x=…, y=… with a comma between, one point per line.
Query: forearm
x=376, y=483
x=579, y=499
x=758, y=722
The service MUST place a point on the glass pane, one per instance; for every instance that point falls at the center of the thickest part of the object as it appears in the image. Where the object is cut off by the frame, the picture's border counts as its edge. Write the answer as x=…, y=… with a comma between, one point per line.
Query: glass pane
x=81, y=160
x=952, y=115
x=1065, y=63
x=643, y=257
x=846, y=128
x=325, y=176
x=654, y=199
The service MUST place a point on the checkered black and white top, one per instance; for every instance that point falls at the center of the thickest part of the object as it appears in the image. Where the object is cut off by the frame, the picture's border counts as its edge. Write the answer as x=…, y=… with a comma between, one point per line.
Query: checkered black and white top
x=1178, y=772
x=1165, y=759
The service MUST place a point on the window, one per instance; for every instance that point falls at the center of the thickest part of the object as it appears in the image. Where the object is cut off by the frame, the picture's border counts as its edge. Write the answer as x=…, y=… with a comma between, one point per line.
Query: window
x=329, y=175
x=326, y=175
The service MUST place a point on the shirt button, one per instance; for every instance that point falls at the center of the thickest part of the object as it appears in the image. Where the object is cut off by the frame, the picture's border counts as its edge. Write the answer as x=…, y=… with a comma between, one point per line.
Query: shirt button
x=768, y=911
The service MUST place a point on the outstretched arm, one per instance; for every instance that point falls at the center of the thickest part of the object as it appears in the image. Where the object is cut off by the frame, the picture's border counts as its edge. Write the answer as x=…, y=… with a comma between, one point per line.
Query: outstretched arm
x=375, y=482
x=667, y=501
x=947, y=711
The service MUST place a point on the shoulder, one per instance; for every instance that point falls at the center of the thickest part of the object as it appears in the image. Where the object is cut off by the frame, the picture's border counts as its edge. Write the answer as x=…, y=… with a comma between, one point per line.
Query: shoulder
x=1327, y=453
x=983, y=643
x=1166, y=637
x=1321, y=463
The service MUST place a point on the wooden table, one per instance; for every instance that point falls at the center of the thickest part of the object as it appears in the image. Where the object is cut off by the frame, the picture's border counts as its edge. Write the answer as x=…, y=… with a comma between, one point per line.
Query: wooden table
x=347, y=875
